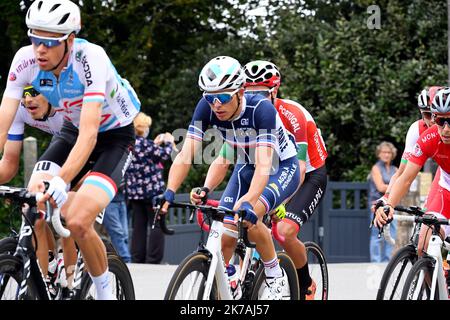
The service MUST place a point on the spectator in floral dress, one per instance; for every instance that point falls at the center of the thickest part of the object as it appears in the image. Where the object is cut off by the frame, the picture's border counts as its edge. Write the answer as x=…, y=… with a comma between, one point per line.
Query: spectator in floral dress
x=144, y=180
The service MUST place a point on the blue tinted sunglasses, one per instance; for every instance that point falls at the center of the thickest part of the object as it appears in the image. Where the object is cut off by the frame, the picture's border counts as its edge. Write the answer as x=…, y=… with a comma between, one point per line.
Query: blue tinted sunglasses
x=222, y=97
x=46, y=41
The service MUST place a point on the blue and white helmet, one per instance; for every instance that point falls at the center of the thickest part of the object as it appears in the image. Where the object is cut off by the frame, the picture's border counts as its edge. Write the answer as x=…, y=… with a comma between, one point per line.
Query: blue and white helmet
x=60, y=16
x=221, y=73
x=441, y=101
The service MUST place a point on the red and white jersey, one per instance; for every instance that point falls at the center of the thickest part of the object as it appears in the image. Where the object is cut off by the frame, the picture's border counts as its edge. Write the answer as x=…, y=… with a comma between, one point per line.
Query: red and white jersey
x=301, y=125
x=414, y=132
x=430, y=145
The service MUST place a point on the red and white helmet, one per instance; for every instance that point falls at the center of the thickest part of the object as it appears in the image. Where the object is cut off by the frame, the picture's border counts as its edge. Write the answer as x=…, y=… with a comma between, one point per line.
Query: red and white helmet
x=261, y=73
x=426, y=96
x=60, y=16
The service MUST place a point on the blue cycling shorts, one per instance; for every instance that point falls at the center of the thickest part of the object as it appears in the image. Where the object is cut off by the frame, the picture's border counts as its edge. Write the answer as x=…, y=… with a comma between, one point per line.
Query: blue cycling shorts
x=281, y=185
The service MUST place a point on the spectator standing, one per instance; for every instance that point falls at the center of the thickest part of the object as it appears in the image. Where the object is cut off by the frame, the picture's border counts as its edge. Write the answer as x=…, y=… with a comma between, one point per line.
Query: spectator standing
x=380, y=175
x=116, y=224
x=144, y=180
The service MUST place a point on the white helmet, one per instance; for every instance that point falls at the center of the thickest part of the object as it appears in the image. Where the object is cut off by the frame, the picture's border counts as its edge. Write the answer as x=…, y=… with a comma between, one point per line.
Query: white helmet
x=441, y=101
x=221, y=73
x=60, y=16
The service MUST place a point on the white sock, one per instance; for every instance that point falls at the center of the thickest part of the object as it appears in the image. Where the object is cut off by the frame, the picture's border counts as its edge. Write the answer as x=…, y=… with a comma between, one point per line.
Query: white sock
x=103, y=286
x=272, y=268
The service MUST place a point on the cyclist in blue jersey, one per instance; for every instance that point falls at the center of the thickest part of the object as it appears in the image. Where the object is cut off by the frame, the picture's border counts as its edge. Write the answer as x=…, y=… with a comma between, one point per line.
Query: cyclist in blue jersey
x=267, y=171
x=97, y=135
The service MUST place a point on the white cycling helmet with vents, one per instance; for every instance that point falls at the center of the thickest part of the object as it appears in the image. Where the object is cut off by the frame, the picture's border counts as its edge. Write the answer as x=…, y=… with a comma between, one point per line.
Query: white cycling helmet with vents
x=441, y=101
x=60, y=16
x=221, y=73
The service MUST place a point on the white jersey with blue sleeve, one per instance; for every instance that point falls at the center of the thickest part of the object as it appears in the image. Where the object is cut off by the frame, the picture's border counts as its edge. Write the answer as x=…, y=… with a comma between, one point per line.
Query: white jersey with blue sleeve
x=89, y=77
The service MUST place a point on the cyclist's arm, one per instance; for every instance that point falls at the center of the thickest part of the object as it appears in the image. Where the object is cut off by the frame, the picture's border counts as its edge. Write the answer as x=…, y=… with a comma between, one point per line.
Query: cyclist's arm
x=9, y=164
x=402, y=184
x=302, y=165
x=86, y=141
x=217, y=172
x=8, y=111
x=182, y=163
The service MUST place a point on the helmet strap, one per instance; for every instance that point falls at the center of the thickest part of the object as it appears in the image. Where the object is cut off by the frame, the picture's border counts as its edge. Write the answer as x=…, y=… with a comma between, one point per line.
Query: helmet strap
x=237, y=108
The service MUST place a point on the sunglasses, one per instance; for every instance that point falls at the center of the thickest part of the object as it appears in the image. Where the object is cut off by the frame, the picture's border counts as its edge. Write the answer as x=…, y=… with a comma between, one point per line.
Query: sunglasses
x=30, y=91
x=426, y=115
x=441, y=121
x=222, y=97
x=264, y=93
x=48, y=42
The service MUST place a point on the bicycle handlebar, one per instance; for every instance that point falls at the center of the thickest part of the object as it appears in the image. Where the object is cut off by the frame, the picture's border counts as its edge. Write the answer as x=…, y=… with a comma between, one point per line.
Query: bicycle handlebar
x=419, y=216
x=24, y=196
x=211, y=208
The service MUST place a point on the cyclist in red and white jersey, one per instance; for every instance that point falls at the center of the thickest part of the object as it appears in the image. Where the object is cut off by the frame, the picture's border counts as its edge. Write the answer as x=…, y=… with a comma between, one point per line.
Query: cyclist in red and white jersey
x=424, y=101
x=433, y=143
x=263, y=77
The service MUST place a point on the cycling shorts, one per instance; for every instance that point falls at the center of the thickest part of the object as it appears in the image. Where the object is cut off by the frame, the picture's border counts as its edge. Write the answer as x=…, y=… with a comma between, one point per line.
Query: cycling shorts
x=107, y=163
x=440, y=206
x=281, y=185
x=305, y=201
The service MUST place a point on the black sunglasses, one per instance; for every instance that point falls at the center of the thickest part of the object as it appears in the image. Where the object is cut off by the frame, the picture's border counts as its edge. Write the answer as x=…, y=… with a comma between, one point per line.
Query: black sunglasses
x=441, y=121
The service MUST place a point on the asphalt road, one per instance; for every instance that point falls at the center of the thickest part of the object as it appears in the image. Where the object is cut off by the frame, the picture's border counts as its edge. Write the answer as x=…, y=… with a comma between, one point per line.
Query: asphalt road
x=348, y=281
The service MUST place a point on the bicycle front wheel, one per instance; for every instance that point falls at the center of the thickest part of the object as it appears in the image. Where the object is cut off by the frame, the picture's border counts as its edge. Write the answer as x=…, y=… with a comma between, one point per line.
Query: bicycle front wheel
x=119, y=277
x=188, y=281
x=318, y=269
x=418, y=282
x=11, y=277
x=291, y=292
x=394, y=276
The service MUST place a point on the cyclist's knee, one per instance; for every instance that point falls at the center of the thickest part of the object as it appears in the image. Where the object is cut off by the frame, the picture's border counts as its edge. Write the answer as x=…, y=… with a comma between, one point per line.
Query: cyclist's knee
x=287, y=230
x=79, y=228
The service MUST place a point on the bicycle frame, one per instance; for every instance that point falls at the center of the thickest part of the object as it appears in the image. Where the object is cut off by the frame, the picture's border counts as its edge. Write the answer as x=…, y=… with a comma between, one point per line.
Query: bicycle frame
x=217, y=265
x=438, y=281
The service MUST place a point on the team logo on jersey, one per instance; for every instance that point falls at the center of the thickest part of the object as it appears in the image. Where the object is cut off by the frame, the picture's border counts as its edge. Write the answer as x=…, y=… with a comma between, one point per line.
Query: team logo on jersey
x=244, y=122
x=78, y=55
x=46, y=83
x=417, y=150
x=12, y=76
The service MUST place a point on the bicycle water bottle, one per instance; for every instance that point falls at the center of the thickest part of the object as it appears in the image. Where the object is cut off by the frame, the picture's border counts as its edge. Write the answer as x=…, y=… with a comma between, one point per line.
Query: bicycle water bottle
x=233, y=278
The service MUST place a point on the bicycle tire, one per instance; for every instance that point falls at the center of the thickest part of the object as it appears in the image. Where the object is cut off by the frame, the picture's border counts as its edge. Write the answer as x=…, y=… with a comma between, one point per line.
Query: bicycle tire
x=402, y=257
x=12, y=268
x=317, y=257
x=124, y=288
x=289, y=268
x=426, y=265
x=195, y=262
x=8, y=245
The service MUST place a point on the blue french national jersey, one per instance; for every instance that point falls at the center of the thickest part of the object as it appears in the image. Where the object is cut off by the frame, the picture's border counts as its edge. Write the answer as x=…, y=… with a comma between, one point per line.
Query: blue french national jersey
x=258, y=125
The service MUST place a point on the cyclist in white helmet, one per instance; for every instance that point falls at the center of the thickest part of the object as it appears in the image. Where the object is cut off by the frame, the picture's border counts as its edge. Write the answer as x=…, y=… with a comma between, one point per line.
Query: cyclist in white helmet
x=99, y=108
x=433, y=143
x=263, y=77
x=252, y=124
